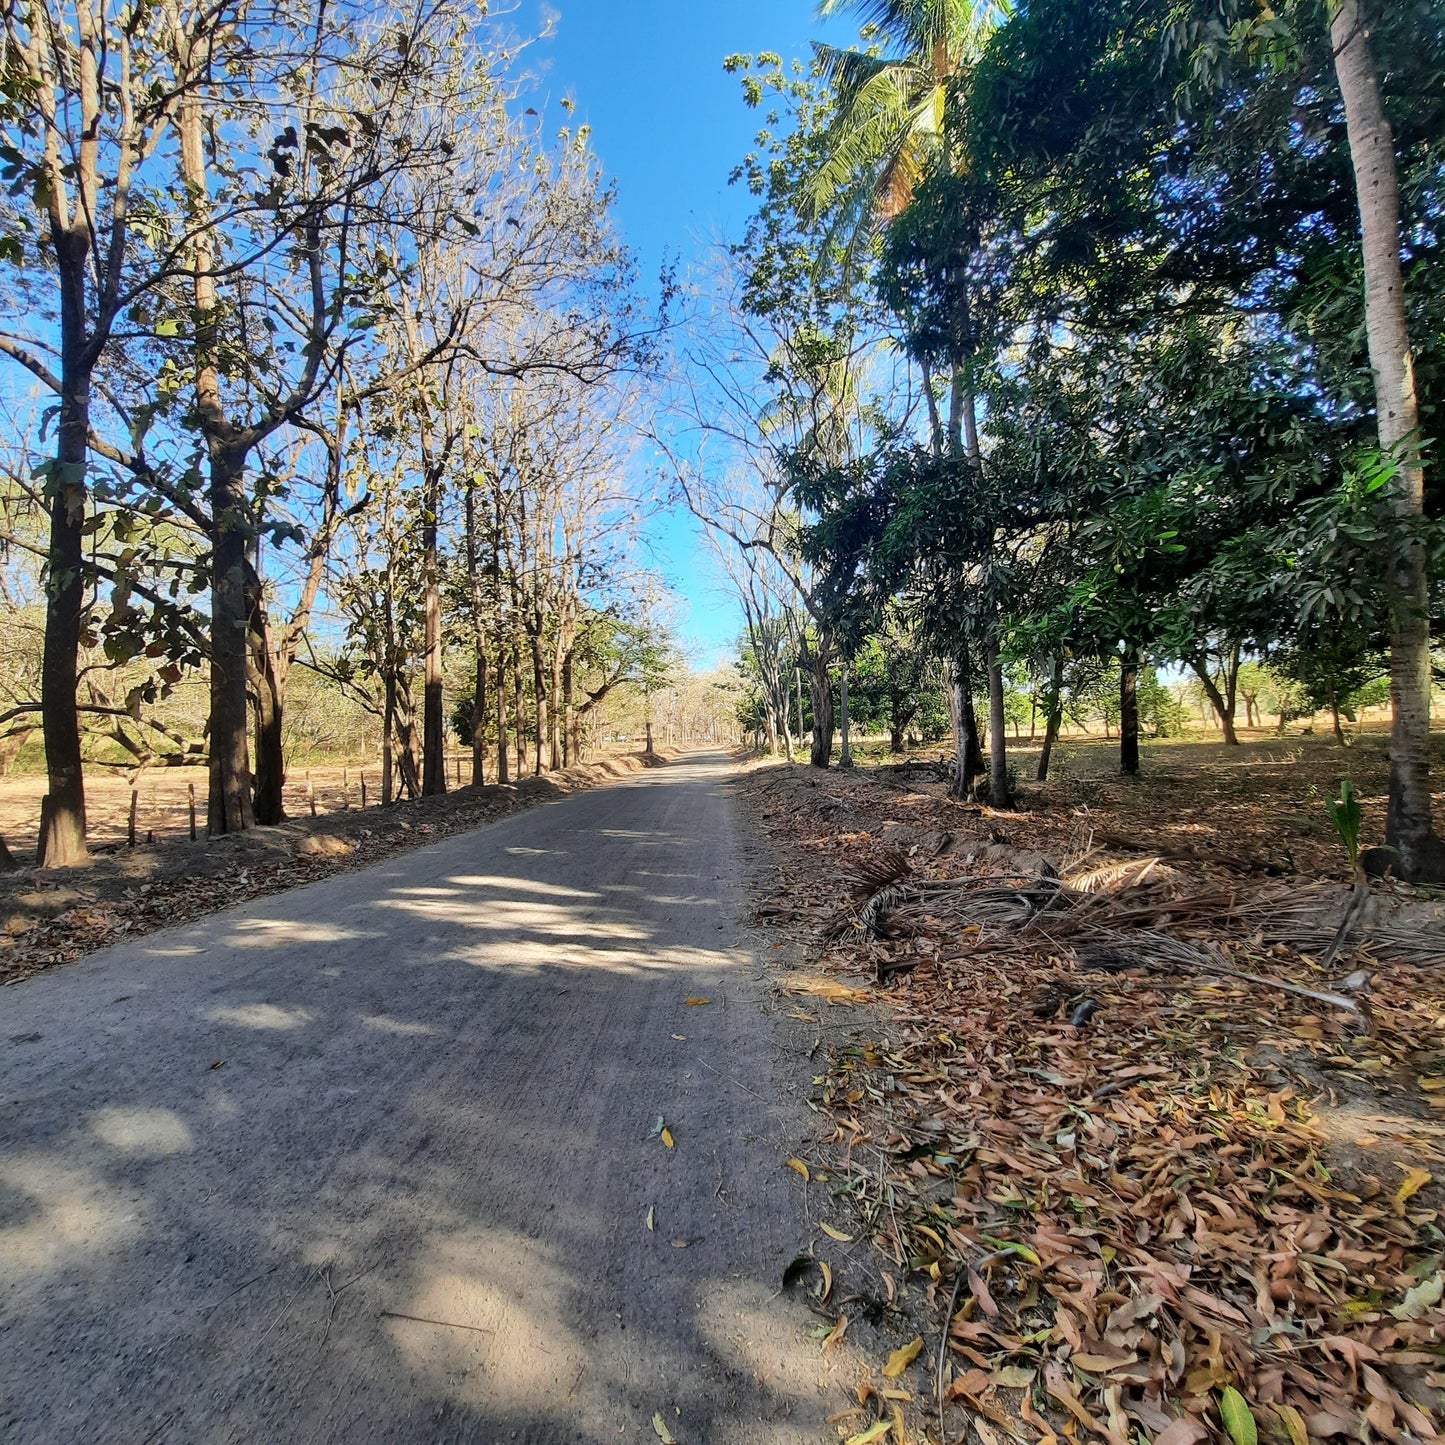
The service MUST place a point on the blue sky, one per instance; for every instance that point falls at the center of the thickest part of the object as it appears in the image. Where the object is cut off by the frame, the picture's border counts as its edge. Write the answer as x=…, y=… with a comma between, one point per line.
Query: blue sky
x=669, y=125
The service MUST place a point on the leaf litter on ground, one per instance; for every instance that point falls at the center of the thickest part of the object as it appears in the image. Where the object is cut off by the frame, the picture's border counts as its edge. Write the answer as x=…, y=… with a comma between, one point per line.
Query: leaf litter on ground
x=1203, y=1209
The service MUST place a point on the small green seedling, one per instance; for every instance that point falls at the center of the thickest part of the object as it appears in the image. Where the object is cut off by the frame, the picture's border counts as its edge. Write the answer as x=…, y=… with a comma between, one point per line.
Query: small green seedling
x=1344, y=813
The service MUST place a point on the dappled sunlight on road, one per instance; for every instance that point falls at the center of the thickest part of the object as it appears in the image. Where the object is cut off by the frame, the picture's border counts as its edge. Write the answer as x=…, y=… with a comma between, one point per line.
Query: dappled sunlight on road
x=259, y=1016
x=376, y=1158
x=143, y=1131
x=54, y=1216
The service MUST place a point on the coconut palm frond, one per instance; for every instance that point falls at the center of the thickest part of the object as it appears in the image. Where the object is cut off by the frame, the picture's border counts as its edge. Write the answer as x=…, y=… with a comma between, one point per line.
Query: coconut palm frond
x=883, y=117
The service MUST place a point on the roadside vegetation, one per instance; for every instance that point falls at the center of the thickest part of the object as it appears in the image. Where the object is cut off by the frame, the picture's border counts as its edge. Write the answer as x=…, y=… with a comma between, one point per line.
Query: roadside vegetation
x=1077, y=470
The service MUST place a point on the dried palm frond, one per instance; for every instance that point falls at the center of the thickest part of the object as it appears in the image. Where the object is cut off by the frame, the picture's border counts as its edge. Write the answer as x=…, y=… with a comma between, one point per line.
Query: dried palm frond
x=867, y=918
x=886, y=866
x=1112, y=877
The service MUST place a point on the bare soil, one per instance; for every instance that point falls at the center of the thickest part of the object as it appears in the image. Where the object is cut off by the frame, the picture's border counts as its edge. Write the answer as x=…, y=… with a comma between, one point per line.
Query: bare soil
x=49, y=917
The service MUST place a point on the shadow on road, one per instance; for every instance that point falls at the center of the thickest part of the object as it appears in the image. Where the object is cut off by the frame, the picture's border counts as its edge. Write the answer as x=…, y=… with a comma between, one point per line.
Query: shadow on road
x=376, y=1158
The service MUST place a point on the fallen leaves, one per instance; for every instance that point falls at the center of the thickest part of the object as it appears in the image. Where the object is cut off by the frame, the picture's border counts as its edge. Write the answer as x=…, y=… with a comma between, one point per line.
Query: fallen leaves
x=696, y=1002
x=659, y=1425
x=901, y=1358
x=836, y=1234
x=1154, y=1232
x=800, y=1169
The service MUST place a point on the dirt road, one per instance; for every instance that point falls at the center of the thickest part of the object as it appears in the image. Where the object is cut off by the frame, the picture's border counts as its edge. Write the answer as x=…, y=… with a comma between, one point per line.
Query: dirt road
x=371, y=1160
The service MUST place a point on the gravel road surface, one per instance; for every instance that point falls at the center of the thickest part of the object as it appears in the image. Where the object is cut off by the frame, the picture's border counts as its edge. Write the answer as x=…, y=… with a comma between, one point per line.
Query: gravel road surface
x=370, y=1160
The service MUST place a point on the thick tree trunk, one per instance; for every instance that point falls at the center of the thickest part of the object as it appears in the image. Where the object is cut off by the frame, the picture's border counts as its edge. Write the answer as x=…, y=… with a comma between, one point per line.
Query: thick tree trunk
x=62, y=811
x=820, y=693
x=998, y=788
x=229, y=805
x=1335, y=725
x=968, y=755
x=845, y=760
x=407, y=761
x=895, y=737
x=270, y=804
x=1129, y=713
x=268, y=690
x=479, y=719
x=1419, y=854
x=1054, y=720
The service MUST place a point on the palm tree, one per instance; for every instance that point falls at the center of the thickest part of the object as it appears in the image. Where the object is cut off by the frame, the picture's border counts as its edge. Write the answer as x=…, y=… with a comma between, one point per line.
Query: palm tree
x=896, y=105
x=892, y=99
x=1420, y=854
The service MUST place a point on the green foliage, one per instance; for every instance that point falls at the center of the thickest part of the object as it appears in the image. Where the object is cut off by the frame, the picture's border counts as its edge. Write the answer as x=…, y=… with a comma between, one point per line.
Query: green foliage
x=1344, y=815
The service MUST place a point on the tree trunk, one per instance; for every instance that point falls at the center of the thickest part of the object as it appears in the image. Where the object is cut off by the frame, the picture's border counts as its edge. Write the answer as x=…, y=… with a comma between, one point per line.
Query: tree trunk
x=1223, y=703
x=968, y=755
x=998, y=787
x=519, y=702
x=62, y=811
x=846, y=758
x=1419, y=854
x=895, y=737
x=570, y=752
x=267, y=687
x=479, y=720
x=1335, y=726
x=504, y=762
x=388, y=739
x=554, y=715
x=1054, y=720
x=798, y=681
x=820, y=693
x=539, y=702
x=229, y=804
x=1129, y=713
x=407, y=761
x=433, y=718
x=7, y=859
x=270, y=807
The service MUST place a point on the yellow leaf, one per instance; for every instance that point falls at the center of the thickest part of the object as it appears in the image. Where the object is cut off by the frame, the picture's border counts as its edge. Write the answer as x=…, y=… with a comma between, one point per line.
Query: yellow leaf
x=836, y=1234
x=900, y=1360
x=1294, y=1424
x=1432, y=1084
x=1415, y=1181
x=667, y=1138
x=827, y=1281
x=836, y=1333
x=663, y=1433
x=694, y=1002
x=801, y=1168
x=872, y=1435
